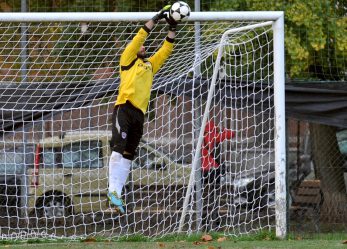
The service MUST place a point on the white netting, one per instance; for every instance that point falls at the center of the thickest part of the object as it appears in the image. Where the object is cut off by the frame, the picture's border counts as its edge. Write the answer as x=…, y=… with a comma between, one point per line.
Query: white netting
x=59, y=81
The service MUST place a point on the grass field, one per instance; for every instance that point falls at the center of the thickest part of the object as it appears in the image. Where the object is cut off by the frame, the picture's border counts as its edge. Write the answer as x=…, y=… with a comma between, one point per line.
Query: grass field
x=216, y=241
x=304, y=244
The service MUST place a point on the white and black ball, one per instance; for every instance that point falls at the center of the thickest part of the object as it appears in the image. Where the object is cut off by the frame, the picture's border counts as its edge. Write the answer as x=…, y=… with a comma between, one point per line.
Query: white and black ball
x=179, y=11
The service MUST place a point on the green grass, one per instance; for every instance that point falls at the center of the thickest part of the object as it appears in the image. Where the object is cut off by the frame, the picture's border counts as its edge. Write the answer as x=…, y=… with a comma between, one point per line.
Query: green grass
x=260, y=240
x=302, y=244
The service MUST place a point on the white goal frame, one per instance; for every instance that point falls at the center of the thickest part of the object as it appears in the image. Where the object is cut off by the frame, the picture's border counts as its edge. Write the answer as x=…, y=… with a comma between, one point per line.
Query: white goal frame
x=279, y=100
x=274, y=18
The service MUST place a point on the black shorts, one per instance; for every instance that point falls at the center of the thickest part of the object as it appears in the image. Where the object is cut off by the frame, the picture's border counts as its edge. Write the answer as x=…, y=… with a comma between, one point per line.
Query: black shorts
x=213, y=176
x=127, y=129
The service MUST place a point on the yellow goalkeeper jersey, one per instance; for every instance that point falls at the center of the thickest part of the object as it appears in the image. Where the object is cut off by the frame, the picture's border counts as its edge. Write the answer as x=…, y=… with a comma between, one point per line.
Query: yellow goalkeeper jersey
x=136, y=74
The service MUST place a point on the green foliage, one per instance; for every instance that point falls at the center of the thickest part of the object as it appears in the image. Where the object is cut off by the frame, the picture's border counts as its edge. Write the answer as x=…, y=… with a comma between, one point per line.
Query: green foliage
x=311, y=40
x=81, y=53
x=315, y=34
x=315, y=31
x=88, y=5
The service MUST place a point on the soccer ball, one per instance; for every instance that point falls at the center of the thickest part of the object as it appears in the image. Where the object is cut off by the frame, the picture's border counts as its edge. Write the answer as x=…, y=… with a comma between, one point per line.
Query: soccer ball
x=179, y=11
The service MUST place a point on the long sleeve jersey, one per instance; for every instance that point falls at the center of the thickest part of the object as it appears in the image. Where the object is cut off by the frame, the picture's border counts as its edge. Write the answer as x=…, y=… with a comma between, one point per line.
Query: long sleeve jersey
x=212, y=139
x=136, y=74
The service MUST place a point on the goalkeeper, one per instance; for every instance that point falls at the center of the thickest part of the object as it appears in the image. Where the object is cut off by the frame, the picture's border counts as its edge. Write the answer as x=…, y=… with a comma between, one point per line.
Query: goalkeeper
x=136, y=78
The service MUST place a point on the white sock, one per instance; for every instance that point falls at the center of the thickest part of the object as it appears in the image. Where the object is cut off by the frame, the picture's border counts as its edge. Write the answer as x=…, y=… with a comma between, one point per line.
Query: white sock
x=114, y=163
x=122, y=174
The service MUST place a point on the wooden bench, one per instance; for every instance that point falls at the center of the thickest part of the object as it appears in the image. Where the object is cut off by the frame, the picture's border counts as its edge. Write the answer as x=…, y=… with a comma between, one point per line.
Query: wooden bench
x=307, y=201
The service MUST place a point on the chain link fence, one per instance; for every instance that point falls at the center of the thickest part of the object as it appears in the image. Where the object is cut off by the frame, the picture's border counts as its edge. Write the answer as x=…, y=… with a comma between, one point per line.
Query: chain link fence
x=316, y=170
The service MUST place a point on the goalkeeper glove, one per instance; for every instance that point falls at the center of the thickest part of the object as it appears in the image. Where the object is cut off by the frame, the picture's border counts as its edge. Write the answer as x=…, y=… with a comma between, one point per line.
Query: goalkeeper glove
x=161, y=14
x=172, y=23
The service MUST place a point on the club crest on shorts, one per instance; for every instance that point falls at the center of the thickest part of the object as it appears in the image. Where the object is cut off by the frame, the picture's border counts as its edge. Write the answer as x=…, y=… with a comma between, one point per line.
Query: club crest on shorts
x=124, y=135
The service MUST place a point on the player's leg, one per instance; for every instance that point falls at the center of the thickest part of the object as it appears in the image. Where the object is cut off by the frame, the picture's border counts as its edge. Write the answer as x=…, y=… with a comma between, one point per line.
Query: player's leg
x=208, y=199
x=134, y=137
x=127, y=132
x=120, y=126
x=217, y=176
x=135, y=131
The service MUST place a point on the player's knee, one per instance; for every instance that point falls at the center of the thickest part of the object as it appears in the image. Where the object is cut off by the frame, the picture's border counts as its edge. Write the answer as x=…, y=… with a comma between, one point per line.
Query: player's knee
x=128, y=155
x=115, y=156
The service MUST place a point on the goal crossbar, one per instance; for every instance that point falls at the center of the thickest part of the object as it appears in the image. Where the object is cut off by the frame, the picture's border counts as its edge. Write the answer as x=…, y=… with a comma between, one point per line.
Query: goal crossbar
x=129, y=16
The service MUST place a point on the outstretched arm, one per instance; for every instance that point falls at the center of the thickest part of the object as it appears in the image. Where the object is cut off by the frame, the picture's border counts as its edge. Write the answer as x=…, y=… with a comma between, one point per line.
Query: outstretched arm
x=150, y=24
x=171, y=34
x=227, y=134
x=158, y=59
x=130, y=52
x=172, y=27
x=213, y=136
x=160, y=15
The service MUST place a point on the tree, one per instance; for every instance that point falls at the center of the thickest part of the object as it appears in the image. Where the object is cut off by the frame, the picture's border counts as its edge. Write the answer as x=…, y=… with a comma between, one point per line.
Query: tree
x=315, y=35
x=316, y=48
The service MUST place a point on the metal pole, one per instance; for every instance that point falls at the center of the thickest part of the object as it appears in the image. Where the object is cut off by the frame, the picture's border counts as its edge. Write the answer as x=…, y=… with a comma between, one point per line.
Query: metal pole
x=23, y=45
x=280, y=125
x=23, y=70
x=141, y=16
x=200, y=137
x=197, y=113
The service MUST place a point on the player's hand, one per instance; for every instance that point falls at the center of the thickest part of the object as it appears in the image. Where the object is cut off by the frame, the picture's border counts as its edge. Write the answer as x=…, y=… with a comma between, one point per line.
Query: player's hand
x=172, y=23
x=161, y=14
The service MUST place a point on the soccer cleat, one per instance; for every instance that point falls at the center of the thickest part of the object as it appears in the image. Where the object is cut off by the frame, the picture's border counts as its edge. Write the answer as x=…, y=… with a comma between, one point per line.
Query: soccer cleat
x=115, y=200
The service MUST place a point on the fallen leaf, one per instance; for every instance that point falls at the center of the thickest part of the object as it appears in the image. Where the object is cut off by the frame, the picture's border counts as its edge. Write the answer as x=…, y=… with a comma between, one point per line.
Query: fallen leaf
x=89, y=240
x=211, y=247
x=200, y=243
x=221, y=239
x=161, y=245
x=206, y=237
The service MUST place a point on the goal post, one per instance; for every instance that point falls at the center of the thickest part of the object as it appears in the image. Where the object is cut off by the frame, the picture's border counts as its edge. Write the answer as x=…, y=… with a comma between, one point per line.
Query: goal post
x=56, y=102
x=280, y=165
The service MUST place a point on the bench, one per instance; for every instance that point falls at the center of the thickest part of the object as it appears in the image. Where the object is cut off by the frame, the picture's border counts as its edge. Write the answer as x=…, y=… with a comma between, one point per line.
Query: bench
x=307, y=201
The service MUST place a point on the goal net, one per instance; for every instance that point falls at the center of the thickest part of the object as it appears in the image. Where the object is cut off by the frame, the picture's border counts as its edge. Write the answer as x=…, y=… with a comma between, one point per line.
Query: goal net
x=213, y=140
